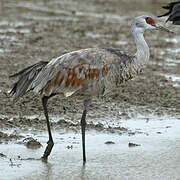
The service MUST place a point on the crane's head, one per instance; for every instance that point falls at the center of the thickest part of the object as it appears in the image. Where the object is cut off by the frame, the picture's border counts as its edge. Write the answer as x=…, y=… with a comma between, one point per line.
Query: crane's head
x=142, y=23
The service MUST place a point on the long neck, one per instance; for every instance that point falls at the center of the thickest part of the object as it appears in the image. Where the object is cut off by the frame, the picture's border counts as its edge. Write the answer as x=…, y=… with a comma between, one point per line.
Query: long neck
x=142, y=54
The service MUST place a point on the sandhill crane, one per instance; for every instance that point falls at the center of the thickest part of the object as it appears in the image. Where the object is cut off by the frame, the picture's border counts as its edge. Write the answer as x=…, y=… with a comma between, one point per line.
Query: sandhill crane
x=174, y=12
x=83, y=74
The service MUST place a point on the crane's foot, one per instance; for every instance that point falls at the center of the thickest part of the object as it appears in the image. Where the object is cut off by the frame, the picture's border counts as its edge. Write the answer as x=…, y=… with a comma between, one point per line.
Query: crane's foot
x=47, y=151
x=84, y=163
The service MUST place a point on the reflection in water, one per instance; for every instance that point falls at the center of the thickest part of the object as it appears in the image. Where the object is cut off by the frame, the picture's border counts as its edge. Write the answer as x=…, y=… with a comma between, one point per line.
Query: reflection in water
x=159, y=138
x=48, y=173
x=83, y=171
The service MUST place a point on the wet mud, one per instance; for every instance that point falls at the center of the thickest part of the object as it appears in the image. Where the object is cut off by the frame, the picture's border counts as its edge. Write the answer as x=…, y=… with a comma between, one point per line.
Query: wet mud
x=32, y=31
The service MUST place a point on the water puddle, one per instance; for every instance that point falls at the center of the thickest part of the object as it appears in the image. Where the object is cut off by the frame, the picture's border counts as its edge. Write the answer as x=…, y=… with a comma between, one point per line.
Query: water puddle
x=17, y=24
x=40, y=8
x=48, y=18
x=159, y=140
x=8, y=37
x=92, y=35
x=121, y=43
x=174, y=40
x=105, y=16
x=174, y=78
x=12, y=30
x=172, y=61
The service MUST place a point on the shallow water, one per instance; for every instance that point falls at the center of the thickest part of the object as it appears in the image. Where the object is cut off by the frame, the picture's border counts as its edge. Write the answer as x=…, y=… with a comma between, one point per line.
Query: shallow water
x=155, y=158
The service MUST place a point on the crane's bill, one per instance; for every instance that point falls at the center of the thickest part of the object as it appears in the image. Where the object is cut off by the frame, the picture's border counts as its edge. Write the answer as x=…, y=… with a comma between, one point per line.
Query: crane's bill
x=162, y=28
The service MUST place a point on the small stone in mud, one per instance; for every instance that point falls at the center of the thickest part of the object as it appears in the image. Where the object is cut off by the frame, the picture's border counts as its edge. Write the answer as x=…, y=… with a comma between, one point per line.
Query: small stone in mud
x=69, y=147
x=159, y=132
x=2, y=155
x=131, y=133
x=133, y=144
x=109, y=142
x=75, y=142
x=124, y=114
x=31, y=143
x=168, y=126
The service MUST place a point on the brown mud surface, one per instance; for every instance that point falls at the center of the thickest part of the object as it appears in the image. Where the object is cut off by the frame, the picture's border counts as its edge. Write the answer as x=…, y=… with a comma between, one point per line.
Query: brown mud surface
x=32, y=31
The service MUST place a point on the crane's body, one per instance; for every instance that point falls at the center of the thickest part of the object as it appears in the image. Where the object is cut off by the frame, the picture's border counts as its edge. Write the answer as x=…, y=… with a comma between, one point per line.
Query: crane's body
x=90, y=72
x=84, y=73
x=87, y=72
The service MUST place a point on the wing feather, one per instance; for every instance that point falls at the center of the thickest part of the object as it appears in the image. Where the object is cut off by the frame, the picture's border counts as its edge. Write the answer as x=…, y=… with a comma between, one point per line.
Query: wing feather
x=76, y=70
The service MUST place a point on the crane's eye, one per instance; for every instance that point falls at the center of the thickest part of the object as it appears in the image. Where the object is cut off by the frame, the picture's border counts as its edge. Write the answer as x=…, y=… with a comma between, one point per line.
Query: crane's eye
x=150, y=21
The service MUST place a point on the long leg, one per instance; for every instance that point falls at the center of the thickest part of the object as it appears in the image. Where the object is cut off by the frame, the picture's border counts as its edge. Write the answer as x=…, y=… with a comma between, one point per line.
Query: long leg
x=50, y=142
x=83, y=127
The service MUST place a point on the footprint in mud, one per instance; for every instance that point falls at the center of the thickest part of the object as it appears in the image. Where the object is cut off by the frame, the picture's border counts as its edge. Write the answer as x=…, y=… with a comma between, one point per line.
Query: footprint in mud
x=133, y=145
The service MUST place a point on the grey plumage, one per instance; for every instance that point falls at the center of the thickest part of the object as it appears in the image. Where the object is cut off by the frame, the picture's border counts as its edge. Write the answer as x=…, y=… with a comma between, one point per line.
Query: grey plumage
x=89, y=60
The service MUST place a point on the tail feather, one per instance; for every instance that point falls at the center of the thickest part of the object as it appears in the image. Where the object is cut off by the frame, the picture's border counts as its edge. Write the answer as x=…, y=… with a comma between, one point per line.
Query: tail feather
x=26, y=77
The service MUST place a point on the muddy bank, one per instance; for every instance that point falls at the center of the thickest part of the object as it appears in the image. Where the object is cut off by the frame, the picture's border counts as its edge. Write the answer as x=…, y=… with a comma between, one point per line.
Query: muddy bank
x=43, y=30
